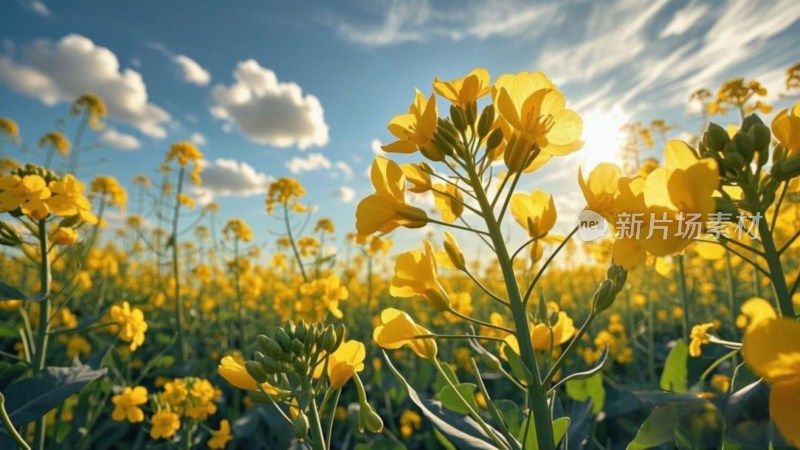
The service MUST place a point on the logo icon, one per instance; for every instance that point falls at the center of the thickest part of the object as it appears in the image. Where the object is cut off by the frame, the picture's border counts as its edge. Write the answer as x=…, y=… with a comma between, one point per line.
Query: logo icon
x=591, y=226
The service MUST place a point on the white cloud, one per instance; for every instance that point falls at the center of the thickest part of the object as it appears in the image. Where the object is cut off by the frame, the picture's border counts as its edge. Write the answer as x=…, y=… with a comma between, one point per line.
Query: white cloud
x=198, y=138
x=375, y=145
x=346, y=170
x=61, y=71
x=685, y=19
x=119, y=141
x=192, y=72
x=228, y=177
x=344, y=194
x=38, y=7
x=314, y=161
x=396, y=22
x=269, y=111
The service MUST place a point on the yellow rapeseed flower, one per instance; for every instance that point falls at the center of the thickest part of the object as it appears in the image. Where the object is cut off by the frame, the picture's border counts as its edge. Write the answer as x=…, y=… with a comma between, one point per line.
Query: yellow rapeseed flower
x=534, y=108
x=786, y=128
x=699, y=337
x=131, y=322
x=127, y=404
x=387, y=209
x=415, y=129
x=415, y=275
x=398, y=329
x=466, y=90
x=220, y=438
x=164, y=424
x=345, y=362
x=772, y=349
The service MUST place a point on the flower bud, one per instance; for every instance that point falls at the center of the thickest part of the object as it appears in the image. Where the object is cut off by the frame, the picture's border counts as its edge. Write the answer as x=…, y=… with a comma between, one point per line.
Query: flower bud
x=604, y=297
x=282, y=338
x=790, y=168
x=300, y=331
x=495, y=138
x=485, y=122
x=9, y=235
x=263, y=340
x=761, y=137
x=745, y=146
x=715, y=137
x=328, y=340
x=341, y=333
x=454, y=252
x=470, y=112
x=297, y=347
x=372, y=421
x=256, y=371
x=300, y=425
x=438, y=299
x=458, y=118
x=274, y=349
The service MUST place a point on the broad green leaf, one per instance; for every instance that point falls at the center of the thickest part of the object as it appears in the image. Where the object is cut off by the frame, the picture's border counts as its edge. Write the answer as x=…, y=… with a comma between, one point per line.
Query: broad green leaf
x=588, y=388
x=462, y=431
x=676, y=374
x=517, y=366
x=8, y=331
x=451, y=400
x=560, y=427
x=658, y=428
x=8, y=292
x=441, y=382
x=29, y=399
x=512, y=416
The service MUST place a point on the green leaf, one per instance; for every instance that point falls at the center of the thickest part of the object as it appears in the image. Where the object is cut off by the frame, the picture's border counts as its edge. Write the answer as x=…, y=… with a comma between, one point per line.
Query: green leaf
x=588, y=388
x=30, y=399
x=517, y=366
x=8, y=292
x=462, y=431
x=560, y=427
x=8, y=332
x=441, y=381
x=512, y=416
x=658, y=429
x=451, y=400
x=676, y=374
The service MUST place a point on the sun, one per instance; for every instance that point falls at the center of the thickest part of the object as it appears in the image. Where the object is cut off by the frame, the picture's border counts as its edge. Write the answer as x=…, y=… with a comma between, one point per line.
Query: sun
x=602, y=137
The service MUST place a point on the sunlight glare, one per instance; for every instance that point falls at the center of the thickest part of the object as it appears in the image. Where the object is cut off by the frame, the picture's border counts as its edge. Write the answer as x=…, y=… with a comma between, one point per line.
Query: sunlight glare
x=602, y=137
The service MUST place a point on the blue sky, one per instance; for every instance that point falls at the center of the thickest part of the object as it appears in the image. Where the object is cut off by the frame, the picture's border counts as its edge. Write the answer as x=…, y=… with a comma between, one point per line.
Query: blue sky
x=270, y=89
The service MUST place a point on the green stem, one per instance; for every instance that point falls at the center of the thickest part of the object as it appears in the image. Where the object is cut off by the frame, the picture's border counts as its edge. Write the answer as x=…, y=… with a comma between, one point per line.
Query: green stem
x=315, y=425
x=10, y=426
x=291, y=241
x=782, y=296
x=43, y=334
x=536, y=391
x=179, y=313
x=686, y=323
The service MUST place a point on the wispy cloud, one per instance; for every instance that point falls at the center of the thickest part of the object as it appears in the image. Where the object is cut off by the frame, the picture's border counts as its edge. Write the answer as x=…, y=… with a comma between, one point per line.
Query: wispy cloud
x=190, y=70
x=394, y=22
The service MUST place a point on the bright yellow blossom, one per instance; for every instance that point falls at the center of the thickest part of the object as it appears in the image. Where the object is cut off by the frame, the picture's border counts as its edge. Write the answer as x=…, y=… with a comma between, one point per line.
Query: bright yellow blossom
x=127, y=404
x=466, y=90
x=415, y=275
x=164, y=424
x=131, y=322
x=772, y=349
x=387, y=209
x=398, y=329
x=220, y=438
